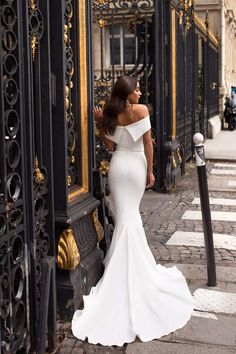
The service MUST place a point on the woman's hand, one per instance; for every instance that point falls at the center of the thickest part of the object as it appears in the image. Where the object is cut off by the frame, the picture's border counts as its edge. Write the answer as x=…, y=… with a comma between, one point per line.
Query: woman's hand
x=150, y=180
x=98, y=114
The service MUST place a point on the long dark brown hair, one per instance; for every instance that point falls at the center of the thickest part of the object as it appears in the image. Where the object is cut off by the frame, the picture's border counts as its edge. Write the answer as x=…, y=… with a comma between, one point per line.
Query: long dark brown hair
x=124, y=86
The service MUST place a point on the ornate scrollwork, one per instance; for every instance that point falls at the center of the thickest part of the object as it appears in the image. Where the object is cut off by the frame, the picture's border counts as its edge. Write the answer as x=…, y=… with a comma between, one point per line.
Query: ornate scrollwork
x=69, y=73
x=12, y=230
x=35, y=26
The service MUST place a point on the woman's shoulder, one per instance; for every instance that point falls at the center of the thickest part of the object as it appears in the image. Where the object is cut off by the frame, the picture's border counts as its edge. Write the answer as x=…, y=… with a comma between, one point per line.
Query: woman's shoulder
x=141, y=110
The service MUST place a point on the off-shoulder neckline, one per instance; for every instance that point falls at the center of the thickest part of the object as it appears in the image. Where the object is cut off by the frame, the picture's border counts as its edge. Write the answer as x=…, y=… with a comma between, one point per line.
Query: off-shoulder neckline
x=128, y=125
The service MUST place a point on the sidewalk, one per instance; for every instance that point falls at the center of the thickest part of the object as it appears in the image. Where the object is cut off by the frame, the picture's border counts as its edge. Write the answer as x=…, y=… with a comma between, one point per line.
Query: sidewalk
x=222, y=147
x=175, y=236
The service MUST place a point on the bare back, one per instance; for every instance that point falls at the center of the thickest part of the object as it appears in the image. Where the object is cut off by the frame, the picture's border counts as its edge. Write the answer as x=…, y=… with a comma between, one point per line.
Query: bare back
x=132, y=115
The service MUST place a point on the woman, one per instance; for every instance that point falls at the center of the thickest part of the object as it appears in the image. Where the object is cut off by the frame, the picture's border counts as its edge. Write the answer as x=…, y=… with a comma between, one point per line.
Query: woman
x=135, y=296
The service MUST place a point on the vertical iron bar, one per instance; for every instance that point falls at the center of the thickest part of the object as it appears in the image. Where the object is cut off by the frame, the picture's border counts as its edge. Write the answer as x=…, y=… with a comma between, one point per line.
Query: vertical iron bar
x=112, y=49
x=102, y=59
x=123, y=43
x=146, y=60
x=159, y=90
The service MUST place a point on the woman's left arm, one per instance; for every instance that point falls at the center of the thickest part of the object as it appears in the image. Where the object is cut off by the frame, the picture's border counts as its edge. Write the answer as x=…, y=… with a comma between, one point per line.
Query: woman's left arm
x=148, y=150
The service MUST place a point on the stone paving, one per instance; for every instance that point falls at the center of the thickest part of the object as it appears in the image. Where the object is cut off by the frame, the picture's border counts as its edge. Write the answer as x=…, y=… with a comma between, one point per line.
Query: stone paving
x=161, y=214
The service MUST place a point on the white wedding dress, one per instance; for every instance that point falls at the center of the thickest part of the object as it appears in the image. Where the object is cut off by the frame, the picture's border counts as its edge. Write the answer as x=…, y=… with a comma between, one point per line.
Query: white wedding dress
x=135, y=296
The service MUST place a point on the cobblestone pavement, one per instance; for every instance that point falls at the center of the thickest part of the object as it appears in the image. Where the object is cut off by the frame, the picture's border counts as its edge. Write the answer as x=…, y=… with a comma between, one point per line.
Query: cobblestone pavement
x=161, y=220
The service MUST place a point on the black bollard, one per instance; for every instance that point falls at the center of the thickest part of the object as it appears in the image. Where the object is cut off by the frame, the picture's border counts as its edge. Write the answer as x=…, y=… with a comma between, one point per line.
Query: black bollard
x=205, y=208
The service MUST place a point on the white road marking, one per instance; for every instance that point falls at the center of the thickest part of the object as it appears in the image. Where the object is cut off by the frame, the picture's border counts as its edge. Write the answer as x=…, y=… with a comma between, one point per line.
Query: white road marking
x=232, y=183
x=196, y=239
x=214, y=301
x=215, y=171
x=217, y=201
x=221, y=164
x=215, y=215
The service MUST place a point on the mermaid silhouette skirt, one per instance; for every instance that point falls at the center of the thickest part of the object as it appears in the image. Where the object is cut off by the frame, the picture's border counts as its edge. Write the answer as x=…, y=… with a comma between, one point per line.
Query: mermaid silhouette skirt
x=135, y=296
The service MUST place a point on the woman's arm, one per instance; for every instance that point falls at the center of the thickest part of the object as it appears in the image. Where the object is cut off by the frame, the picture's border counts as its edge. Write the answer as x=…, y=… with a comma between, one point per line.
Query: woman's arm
x=148, y=150
x=98, y=116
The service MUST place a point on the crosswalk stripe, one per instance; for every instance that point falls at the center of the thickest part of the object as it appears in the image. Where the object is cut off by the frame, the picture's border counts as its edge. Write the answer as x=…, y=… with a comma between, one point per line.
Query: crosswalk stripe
x=204, y=314
x=215, y=215
x=222, y=164
x=196, y=239
x=217, y=201
x=215, y=171
x=214, y=301
x=232, y=183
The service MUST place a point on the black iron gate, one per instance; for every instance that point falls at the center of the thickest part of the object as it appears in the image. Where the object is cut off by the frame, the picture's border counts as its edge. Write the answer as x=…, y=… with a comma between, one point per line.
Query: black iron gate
x=27, y=268
x=125, y=35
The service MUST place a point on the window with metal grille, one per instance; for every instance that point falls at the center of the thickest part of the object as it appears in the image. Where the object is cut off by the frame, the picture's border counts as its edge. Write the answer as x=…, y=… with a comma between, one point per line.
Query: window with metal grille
x=123, y=46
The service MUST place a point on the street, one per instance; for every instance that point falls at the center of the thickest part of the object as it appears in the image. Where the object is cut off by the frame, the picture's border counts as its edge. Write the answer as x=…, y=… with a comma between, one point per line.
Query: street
x=175, y=235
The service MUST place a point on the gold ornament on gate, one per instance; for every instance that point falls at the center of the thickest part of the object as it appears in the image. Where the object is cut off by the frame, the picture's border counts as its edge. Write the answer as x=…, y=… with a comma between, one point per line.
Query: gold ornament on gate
x=98, y=226
x=68, y=256
x=104, y=167
x=38, y=175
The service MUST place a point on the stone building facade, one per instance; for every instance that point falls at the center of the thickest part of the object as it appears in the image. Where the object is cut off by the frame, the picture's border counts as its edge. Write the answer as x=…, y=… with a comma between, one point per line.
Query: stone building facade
x=222, y=22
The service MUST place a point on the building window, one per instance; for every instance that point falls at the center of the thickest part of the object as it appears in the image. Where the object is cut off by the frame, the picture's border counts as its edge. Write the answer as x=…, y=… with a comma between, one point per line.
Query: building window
x=123, y=46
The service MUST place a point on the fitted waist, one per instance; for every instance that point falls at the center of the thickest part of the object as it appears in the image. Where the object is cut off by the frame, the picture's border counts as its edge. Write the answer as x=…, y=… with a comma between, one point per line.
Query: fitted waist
x=131, y=149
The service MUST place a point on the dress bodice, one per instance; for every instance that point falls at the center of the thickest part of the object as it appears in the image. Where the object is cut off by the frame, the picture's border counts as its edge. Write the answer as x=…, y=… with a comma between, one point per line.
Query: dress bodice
x=130, y=137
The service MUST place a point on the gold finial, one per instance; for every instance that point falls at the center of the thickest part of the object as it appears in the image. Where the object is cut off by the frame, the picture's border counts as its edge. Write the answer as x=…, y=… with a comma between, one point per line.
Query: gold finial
x=38, y=175
x=68, y=256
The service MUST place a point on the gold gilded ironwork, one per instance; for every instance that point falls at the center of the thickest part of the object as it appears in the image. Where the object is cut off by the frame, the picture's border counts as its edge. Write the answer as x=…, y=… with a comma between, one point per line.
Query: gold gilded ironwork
x=76, y=193
x=173, y=46
x=185, y=13
x=38, y=175
x=104, y=167
x=83, y=94
x=34, y=43
x=66, y=37
x=205, y=30
x=102, y=23
x=98, y=133
x=69, y=181
x=68, y=256
x=98, y=226
x=32, y=4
